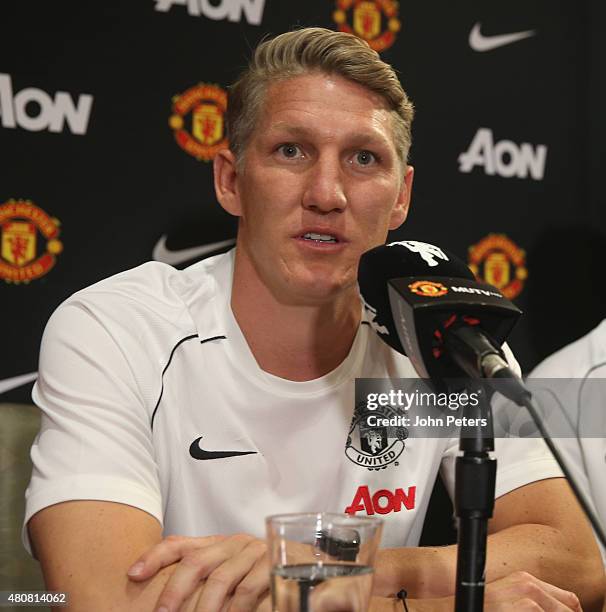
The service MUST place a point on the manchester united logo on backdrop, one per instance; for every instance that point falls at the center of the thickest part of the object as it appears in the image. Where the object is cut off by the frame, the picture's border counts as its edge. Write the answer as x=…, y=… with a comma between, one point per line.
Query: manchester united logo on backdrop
x=428, y=288
x=197, y=120
x=497, y=260
x=376, y=437
x=375, y=21
x=29, y=241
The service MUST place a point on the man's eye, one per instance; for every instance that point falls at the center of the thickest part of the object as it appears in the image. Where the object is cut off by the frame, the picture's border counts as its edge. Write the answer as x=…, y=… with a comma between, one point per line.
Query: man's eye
x=365, y=158
x=289, y=150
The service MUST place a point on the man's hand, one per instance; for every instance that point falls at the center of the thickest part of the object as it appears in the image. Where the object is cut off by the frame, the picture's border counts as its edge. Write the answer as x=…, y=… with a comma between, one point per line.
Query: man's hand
x=235, y=570
x=522, y=591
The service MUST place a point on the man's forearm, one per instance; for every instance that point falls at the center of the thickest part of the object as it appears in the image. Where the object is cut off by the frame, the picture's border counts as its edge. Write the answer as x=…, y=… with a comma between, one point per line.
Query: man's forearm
x=517, y=591
x=93, y=570
x=538, y=549
x=391, y=604
x=423, y=572
x=551, y=556
x=122, y=594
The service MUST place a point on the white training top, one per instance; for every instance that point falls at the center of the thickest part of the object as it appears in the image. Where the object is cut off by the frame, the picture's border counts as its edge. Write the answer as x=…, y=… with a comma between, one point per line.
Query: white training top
x=584, y=404
x=148, y=390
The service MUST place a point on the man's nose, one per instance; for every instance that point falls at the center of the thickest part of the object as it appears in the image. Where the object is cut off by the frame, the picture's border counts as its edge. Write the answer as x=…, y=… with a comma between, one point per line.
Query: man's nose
x=325, y=189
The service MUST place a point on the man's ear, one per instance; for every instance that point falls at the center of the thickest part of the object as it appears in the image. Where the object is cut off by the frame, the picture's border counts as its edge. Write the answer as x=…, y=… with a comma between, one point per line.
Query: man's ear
x=400, y=209
x=226, y=183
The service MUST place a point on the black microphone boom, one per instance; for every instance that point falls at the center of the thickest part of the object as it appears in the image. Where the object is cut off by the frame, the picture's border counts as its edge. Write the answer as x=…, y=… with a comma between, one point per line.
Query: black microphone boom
x=450, y=327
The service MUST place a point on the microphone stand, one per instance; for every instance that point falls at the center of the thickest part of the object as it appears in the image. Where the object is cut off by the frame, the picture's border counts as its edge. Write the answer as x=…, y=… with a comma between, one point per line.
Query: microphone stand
x=474, y=501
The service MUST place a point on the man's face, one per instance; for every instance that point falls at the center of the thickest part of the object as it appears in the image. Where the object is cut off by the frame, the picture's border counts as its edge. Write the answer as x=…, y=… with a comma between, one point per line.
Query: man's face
x=320, y=183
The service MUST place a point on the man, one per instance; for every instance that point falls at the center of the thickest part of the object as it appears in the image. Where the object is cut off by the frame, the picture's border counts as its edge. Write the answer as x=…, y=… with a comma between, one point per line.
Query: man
x=196, y=403
x=574, y=380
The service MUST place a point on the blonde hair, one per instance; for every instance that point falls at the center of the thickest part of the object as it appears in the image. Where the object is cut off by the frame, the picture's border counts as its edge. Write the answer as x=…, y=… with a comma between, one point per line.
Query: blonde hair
x=314, y=49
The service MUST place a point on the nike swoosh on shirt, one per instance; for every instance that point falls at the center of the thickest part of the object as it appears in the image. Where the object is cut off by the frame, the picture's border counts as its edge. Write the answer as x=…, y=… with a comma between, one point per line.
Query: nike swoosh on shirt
x=198, y=453
x=479, y=42
x=17, y=381
x=162, y=253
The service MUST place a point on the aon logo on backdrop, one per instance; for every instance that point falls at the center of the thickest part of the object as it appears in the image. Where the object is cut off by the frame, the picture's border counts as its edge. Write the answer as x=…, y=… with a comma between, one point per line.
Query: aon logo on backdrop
x=504, y=157
x=224, y=9
x=35, y=110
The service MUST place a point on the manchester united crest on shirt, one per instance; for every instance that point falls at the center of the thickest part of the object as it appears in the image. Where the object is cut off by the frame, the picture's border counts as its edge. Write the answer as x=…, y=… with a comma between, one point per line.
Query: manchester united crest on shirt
x=376, y=437
x=197, y=120
x=375, y=21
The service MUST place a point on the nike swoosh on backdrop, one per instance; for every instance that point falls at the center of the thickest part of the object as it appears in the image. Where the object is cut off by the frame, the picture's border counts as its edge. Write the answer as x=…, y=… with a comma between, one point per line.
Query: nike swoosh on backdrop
x=17, y=381
x=198, y=453
x=479, y=42
x=167, y=256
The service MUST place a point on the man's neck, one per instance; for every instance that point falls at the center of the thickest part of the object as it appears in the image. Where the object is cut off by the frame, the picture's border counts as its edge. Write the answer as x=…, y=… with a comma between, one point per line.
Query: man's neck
x=295, y=342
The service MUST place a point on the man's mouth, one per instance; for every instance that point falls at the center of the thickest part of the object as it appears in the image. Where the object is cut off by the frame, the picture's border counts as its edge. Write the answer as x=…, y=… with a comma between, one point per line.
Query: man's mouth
x=319, y=237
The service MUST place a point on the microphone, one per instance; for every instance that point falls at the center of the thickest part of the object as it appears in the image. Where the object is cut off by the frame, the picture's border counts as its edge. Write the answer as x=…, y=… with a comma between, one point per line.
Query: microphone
x=448, y=325
x=426, y=304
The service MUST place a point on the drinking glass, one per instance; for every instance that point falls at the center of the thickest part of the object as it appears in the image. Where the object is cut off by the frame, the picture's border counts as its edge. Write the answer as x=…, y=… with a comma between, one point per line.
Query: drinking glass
x=322, y=562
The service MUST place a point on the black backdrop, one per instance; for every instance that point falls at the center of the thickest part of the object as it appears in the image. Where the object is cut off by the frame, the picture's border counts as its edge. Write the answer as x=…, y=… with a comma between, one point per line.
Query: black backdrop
x=527, y=115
